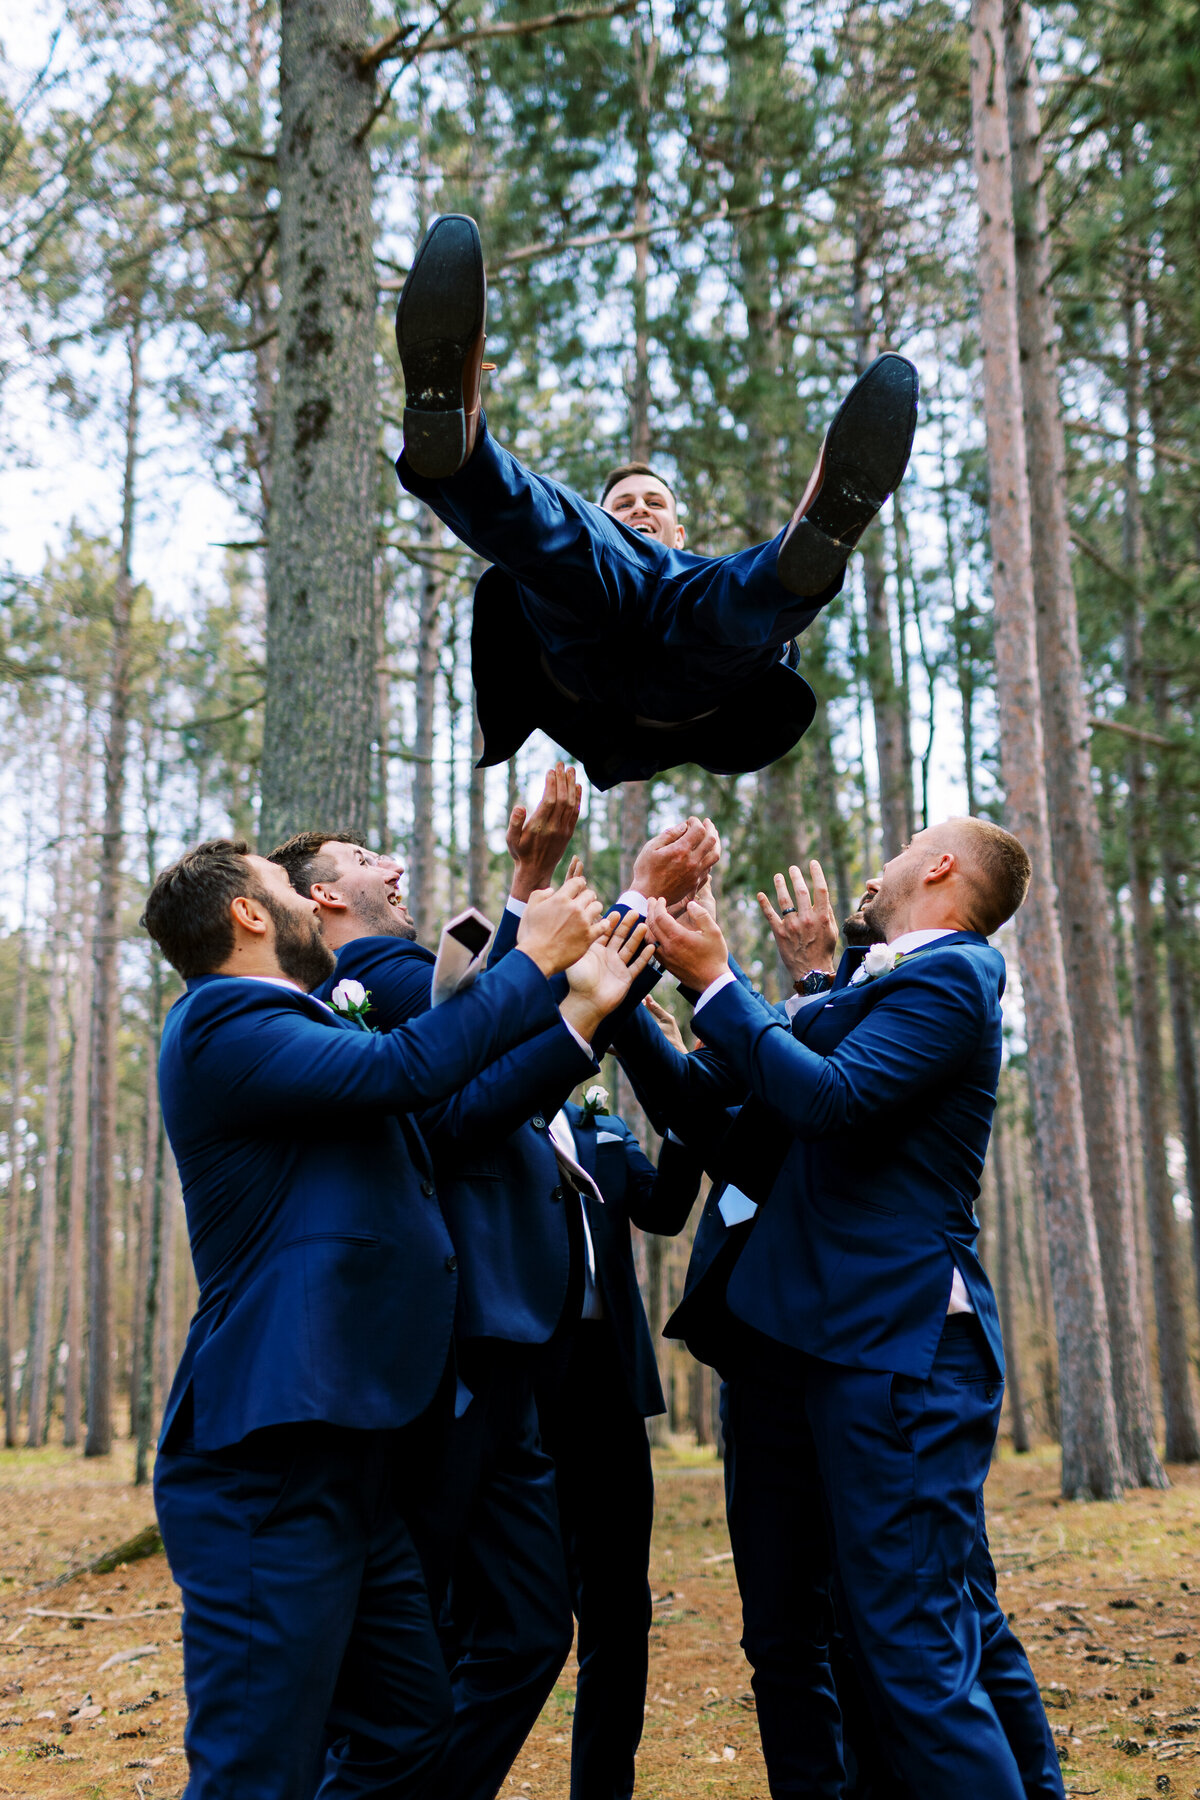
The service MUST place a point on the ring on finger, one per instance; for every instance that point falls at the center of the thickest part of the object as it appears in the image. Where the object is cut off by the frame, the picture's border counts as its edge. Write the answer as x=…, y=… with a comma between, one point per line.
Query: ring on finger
x=785, y=910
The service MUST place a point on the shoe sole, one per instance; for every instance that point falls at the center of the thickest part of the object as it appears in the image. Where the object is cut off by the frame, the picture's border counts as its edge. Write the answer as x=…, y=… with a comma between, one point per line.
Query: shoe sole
x=441, y=313
x=863, y=460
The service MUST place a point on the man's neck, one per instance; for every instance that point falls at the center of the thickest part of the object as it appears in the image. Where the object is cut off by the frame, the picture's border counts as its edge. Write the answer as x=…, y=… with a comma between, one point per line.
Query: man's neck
x=927, y=919
x=254, y=960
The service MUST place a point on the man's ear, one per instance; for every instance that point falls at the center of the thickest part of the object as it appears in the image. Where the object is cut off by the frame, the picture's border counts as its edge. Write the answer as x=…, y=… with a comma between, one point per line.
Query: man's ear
x=326, y=897
x=945, y=866
x=680, y=536
x=250, y=914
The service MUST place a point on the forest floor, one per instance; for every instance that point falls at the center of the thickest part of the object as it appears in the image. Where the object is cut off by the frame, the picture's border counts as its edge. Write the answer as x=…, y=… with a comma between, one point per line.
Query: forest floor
x=1106, y=1598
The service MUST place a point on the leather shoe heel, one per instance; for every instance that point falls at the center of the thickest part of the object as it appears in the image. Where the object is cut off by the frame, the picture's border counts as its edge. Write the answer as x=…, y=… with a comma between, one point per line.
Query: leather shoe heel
x=862, y=461
x=440, y=325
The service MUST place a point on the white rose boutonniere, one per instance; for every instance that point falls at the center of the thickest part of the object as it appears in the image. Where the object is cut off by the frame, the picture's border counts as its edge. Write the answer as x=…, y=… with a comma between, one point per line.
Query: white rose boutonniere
x=595, y=1101
x=353, y=1001
x=880, y=959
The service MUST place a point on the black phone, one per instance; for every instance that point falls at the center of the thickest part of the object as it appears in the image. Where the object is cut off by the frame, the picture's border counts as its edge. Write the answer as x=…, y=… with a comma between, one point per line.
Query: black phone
x=471, y=933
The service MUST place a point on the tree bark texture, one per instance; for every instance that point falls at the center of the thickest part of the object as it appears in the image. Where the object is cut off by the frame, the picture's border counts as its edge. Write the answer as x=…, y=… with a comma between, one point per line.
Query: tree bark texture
x=1092, y=1463
x=892, y=750
x=477, y=845
x=422, y=850
x=16, y=1181
x=43, y=1305
x=106, y=999
x=1074, y=820
x=319, y=722
x=1179, y=1412
x=645, y=53
x=1177, y=934
x=1005, y=1288
x=77, y=1185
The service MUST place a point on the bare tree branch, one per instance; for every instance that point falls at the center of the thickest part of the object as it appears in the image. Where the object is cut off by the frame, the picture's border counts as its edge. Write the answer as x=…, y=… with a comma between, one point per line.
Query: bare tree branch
x=393, y=44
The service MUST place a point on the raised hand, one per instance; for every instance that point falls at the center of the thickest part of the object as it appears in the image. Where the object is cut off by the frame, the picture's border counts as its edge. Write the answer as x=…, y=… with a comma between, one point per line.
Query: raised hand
x=560, y=924
x=691, y=947
x=675, y=863
x=600, y=980
x=536, y=841
x=667, y=1023
x=805, y=928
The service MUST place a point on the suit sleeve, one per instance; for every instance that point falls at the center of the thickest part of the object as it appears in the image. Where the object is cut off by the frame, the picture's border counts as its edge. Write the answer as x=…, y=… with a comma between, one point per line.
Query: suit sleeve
x=924, y=1026
x=266, y=1058
x=660, y=1199
x=541, y=1073
x=686, y=1094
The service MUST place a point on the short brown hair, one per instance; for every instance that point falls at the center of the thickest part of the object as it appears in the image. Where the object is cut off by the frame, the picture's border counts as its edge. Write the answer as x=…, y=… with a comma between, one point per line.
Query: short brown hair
x=631, y=468
x=301, y=857
x=1000, y=872
x=187, y=909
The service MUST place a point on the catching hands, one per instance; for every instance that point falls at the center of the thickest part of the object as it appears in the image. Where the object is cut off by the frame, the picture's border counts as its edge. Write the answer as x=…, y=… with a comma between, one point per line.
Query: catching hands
x=674, y=864
x=536, y=842
x=600, y=980
x=561, y=924
x=691, y=947
x=667, y=1023
x=805, y=929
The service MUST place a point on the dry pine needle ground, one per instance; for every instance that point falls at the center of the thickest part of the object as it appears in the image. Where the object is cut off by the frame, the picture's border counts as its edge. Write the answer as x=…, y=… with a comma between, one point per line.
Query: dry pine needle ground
x=1106, y=1598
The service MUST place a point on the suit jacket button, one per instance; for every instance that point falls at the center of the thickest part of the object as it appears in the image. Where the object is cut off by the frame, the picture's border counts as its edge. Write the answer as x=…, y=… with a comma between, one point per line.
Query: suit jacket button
x=538, y=1123
x=451, y=1264
x=556, y=1193
x=427, y=1189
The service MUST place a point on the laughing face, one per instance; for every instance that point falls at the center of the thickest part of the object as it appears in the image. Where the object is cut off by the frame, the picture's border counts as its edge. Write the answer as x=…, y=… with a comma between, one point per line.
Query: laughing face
x=370, y=886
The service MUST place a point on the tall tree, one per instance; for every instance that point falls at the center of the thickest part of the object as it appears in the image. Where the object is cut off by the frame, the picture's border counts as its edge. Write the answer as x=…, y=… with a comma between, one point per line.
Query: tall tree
x=1074, y=821
x=1091, y=1454
x=105, y=996
x=320, y=695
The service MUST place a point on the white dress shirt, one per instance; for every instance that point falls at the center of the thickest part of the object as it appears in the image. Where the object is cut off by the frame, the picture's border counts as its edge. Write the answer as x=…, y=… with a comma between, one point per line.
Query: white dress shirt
x=567, y=1151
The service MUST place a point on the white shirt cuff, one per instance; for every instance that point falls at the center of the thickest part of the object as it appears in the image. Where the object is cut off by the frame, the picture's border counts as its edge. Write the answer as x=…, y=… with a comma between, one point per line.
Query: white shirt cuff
x=580, y=1040
x=513, y=905
x=634, y=901
x=714, y=987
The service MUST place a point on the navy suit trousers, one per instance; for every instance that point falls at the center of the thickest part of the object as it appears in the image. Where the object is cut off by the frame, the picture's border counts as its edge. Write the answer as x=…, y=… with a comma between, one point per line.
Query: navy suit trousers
x=622, y=618
x=605, y=1487
x=306, y=1619
x=487, y=1527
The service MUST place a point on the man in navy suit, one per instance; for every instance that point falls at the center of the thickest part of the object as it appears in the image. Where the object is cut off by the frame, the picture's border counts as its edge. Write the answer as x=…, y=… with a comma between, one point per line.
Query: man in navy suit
x=322, y=1331
x=593, y=1399
x=488, y=1529
x=576, y=586
x=854, y=1278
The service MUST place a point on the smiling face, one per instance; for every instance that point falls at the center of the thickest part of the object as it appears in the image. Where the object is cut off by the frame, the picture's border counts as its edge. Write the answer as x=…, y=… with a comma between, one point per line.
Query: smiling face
x=369, y=886
x=647, y=505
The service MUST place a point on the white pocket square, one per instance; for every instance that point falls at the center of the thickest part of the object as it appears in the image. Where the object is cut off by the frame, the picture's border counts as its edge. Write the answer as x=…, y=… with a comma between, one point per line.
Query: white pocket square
x=608, y=1137
x=735, y=1207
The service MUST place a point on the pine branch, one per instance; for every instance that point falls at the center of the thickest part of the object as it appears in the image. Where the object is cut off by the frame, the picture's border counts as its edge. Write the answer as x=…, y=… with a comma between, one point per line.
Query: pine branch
x=392, y=44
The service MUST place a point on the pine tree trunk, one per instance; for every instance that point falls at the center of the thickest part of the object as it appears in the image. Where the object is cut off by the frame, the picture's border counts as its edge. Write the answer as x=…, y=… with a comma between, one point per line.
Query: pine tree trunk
x=106, y=1003
x=142, y=1395
x=77, y=1186
x=1179, y=1412
x=891, y=743
x=1092, y=1463
x=43, y=1307
x=16, y=1181
x=166, y=1351
x=477, y=844
x=319, y=721
x=1178, y=936
x=1005, y=1295
x=422, y=846
x=645, y=58
x=1074, y=822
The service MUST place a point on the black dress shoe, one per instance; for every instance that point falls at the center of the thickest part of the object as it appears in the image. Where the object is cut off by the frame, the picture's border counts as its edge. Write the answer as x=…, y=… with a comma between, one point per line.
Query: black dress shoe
x=862, y=460
x=440, y=325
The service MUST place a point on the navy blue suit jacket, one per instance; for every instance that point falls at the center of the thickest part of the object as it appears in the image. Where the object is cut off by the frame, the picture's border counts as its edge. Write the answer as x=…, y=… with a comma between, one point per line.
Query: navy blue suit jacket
x=881, y=1099
x=326, y=1273
x=497, y=1174
x=635, y=1192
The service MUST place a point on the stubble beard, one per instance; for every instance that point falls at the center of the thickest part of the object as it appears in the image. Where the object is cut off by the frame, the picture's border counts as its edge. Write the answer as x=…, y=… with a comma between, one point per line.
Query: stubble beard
x=300, y=950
